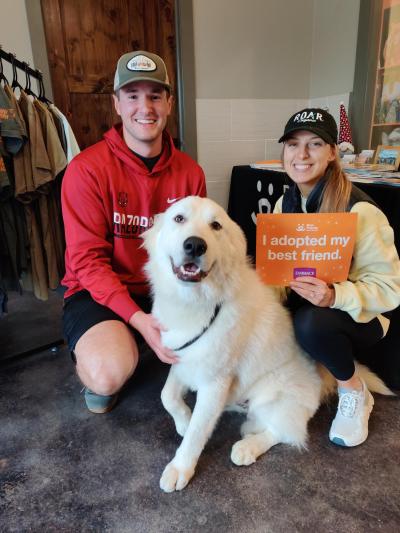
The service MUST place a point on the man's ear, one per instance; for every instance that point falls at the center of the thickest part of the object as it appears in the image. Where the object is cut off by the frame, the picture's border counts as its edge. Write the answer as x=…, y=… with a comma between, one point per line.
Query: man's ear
x=116, y=104
x=171, y=101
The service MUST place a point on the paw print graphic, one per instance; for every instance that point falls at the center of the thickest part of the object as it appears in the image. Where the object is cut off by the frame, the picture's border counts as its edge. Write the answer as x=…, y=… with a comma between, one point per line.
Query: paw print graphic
x=264, y=204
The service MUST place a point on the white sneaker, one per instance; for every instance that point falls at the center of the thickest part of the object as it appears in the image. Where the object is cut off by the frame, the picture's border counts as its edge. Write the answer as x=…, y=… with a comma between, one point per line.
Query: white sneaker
x=350, y=425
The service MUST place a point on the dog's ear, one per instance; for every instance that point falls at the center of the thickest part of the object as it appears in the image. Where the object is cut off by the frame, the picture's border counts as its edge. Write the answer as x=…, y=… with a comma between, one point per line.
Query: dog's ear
x=236, y=244
x=150, y=236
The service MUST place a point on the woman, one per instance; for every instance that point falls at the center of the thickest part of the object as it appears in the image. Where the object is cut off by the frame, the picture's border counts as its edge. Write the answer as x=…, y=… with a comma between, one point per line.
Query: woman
x=334, y=322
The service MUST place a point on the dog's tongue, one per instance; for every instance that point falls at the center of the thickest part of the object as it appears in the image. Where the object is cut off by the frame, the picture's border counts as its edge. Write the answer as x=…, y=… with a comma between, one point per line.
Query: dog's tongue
x=190, y=267
x=189, y=272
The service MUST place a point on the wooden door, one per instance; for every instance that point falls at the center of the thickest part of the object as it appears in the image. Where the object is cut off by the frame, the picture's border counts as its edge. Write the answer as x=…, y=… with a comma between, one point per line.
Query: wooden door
x=84, y=40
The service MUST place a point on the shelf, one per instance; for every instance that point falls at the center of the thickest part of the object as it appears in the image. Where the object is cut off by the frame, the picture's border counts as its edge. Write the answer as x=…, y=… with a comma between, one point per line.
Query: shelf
x=386, y=99
x=392, y=67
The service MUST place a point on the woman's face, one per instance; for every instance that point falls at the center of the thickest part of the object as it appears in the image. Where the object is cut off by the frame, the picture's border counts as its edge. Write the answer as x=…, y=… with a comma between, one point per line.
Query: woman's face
x=305, y=159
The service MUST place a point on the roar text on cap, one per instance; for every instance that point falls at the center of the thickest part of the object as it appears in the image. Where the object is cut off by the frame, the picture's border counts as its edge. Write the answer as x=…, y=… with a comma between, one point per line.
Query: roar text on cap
x=308, y=117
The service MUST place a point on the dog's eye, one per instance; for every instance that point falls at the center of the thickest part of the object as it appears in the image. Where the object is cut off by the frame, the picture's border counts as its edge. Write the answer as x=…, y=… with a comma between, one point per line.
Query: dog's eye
x=216, y=225
x=179, y=219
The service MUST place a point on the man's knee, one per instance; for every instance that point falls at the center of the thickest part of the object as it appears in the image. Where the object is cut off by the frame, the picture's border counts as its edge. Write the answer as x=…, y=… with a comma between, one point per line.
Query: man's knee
x=106, y=357
x=104, y=378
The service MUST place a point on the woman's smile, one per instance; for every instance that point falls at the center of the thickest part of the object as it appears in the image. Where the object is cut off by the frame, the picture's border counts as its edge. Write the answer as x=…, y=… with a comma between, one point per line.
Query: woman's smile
x=305, y=158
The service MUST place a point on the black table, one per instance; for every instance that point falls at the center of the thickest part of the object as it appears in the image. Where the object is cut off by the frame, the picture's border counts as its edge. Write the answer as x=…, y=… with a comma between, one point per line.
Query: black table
x=254, y=191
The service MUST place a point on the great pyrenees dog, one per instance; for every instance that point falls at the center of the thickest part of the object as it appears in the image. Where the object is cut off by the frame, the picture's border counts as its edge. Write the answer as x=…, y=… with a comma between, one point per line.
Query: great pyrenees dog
x=233, y=337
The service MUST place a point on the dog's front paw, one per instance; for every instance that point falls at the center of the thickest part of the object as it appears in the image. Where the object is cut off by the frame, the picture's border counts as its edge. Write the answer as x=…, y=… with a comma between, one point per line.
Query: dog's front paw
x=174, y=478
x=243, y=453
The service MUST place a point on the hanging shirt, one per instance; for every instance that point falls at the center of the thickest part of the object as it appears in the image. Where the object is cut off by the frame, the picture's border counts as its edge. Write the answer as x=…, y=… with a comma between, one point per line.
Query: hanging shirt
x=11, y=130
x=11, y=138
x=13, y=256
x=41, y=170
x=24, y=187
x=55, y=152
x=72, y=145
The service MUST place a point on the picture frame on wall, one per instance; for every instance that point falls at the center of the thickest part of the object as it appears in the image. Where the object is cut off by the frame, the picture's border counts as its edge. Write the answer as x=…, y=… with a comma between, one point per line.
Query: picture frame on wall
x=388, y=155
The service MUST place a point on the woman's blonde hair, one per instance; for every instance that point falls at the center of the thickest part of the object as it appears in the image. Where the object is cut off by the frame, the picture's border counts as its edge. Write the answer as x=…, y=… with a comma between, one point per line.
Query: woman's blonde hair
x=336, y=193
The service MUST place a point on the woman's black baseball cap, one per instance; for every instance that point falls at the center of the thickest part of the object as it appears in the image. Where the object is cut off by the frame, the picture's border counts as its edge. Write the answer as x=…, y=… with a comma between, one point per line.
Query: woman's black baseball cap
x=315, y=120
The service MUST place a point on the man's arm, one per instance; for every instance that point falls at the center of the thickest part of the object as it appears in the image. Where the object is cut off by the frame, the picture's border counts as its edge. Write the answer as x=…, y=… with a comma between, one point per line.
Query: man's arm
x=88, y=235
x=89, y=252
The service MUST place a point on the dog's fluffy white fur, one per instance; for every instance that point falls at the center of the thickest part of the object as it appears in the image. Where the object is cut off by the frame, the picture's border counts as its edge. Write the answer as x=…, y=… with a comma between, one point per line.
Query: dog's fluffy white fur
x=248, y=355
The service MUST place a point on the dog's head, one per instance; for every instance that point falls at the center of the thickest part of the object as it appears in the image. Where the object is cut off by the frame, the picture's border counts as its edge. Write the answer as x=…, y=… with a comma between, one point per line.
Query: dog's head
x=194, y=243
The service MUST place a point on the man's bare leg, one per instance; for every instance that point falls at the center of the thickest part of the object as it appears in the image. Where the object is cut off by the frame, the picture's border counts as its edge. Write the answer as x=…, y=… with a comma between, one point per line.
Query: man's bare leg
x=106, y=357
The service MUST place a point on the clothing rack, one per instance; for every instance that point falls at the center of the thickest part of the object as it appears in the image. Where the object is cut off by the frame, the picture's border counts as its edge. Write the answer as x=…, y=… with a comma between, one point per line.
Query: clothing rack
x=37, y=74
x=22, y=65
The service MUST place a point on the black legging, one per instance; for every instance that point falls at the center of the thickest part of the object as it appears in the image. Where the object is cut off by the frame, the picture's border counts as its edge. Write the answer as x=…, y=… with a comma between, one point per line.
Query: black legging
x=333, y=338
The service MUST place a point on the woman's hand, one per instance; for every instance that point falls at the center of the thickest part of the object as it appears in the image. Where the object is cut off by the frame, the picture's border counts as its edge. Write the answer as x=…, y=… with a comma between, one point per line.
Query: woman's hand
x=315, y=290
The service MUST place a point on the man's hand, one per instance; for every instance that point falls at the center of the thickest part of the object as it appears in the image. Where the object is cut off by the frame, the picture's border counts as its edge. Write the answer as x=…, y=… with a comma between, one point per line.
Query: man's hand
x=315, y=290
x=150, y=329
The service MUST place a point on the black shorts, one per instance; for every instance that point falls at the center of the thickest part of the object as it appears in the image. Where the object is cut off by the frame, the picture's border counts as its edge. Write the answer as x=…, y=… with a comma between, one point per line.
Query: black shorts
x=81, y=312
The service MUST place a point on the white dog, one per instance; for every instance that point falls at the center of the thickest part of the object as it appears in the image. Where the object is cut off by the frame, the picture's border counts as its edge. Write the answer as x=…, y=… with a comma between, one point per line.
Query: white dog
x=234, y=339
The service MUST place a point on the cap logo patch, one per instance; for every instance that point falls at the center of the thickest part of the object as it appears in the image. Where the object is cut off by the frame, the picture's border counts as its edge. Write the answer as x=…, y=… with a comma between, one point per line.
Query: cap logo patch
x=308, y=117
x=141, y=63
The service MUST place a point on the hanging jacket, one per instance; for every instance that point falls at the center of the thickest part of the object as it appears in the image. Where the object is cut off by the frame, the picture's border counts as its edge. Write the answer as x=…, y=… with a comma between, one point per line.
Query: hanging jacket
x=109, y=198
x=373, y=285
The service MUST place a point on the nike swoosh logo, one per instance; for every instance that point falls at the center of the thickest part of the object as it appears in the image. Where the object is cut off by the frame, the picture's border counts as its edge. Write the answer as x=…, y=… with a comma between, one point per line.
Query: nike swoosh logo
x=171, y=200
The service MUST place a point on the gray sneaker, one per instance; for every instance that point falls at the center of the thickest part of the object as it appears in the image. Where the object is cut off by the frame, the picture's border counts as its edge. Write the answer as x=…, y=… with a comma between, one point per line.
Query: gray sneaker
x=97, y=403
x=350, y=425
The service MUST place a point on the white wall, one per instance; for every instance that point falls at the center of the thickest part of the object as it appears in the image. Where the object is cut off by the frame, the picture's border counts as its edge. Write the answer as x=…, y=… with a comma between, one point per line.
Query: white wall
x=253, y=48
x=14, y=36
x=334, y=46
x=258, y=62
x=333, y=53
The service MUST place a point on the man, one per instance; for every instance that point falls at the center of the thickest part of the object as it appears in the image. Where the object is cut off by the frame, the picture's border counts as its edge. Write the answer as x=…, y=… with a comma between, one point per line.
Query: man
x=111, y=193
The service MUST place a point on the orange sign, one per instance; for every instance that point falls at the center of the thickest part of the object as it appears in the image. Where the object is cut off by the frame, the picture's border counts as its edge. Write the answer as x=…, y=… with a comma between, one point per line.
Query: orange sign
x=304, y=244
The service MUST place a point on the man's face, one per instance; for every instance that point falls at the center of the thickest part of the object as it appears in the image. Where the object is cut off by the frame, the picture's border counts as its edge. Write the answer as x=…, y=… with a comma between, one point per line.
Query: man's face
x=144, y=108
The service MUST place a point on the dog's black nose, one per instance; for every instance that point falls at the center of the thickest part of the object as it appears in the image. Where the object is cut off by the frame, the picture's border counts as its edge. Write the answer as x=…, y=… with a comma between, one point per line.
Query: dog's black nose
x=194, y=247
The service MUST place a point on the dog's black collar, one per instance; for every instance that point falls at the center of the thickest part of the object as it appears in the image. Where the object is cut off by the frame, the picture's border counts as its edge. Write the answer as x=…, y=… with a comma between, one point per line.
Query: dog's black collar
x=216, y=311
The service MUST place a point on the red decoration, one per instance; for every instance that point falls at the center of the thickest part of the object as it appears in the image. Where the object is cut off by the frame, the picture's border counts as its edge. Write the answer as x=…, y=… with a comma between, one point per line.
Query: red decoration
x=344, y=130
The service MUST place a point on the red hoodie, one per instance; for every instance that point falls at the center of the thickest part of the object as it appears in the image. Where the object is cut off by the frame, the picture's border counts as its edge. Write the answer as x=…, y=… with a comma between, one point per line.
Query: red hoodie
x=109, y=198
